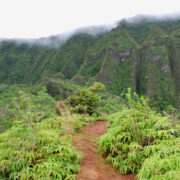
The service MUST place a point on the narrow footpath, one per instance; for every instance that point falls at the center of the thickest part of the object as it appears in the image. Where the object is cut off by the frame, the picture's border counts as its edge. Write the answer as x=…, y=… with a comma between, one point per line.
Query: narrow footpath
x=93, y=166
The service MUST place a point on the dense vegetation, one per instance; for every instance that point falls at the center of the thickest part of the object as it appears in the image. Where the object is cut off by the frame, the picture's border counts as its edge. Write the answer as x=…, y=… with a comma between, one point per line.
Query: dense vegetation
x=36, y=141
x=141, y=141
x=86, y=101
x=141, y=54
x=34, y=148
x=48, y=93
x=23, y=63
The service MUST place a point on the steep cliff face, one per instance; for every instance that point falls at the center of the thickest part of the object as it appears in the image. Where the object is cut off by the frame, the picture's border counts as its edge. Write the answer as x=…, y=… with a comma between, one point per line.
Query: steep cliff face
x=112, y=61
x=144, y=56
x=94, y=58
x=151, y=68
x=155, y=76
x=20, y=63
x=119, y=67
x=174, y=48
x=66, y=60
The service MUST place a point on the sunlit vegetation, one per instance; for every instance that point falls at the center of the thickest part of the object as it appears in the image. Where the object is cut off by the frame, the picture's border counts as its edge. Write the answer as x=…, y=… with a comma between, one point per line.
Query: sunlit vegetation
x=34, y=148
x=86, y=101
x=141, y=141
x=36, y=143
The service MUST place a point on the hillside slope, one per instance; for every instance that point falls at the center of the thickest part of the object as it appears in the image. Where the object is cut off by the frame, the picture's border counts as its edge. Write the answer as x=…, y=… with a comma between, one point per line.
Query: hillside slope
x=112, y=60
x=22, y=63
x=142, y=55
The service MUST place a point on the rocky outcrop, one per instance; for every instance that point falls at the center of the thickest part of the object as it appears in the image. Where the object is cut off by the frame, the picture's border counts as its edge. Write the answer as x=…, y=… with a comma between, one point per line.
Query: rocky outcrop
x=112, y=61
x=119, y=62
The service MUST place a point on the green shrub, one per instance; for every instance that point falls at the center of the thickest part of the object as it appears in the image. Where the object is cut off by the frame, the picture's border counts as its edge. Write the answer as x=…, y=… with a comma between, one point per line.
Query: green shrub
x=86, y=101
x=163, y=161
x=34, y=148
x=137, y=135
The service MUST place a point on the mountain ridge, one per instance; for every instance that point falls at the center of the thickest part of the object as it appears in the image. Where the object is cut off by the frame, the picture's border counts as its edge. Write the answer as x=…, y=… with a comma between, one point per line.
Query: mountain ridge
x=143, y=56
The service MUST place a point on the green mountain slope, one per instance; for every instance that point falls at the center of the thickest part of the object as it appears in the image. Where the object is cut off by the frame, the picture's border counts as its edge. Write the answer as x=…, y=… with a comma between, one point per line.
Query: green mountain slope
x=141, y=27
x=155, y=77
x=29, y=64
x=112, y=60
x=143, y=55
x=175, y=62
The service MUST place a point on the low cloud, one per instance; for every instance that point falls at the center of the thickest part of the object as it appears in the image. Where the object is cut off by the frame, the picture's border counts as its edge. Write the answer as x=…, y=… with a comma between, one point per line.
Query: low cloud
x=56, y=41
x=151, y=18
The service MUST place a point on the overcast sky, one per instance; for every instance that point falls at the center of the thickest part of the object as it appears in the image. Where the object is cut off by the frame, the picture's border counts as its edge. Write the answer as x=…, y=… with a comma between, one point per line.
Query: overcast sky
x=39, y=18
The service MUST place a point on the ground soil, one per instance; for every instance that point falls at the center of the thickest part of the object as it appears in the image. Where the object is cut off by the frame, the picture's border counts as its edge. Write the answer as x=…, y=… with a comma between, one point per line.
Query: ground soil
x=93, y=166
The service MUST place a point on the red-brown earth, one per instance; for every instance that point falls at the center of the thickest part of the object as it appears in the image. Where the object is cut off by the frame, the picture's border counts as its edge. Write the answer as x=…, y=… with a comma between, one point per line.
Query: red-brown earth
x=93, y=166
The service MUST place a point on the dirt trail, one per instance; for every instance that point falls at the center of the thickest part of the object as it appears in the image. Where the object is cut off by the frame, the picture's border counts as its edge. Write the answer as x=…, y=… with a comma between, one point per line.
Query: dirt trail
x=93, y=166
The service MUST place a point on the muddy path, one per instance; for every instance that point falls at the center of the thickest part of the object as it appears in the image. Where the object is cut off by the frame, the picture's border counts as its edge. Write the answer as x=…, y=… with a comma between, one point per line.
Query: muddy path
x=93, y=166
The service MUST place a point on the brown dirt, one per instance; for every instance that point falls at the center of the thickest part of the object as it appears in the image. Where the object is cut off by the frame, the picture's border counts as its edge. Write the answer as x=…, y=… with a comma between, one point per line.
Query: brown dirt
x=93, y=166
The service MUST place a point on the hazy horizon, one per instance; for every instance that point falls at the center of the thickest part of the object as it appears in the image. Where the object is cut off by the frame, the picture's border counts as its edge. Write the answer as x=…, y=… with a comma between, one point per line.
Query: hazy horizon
x=38, y=18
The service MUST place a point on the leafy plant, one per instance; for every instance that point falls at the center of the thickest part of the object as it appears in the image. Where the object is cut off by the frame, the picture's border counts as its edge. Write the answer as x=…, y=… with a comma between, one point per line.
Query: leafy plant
x=86, y=101
x=34, y=148
x=137, y=135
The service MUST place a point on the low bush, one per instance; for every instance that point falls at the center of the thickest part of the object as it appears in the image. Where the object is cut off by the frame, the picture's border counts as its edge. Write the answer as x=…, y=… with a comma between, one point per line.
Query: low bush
x=163, y=161
x=137, y=136
x=34, y=147
x=86, y=101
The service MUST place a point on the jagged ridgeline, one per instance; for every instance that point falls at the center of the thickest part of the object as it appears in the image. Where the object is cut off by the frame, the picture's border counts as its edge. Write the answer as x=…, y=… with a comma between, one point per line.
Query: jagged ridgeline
x=140, y=55
x=143, y=55
x=112, y=60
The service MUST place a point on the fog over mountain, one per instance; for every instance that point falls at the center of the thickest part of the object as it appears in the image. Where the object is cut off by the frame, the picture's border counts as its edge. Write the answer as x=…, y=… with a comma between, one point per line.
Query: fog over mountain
x=57, y=40
x=139, y=18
